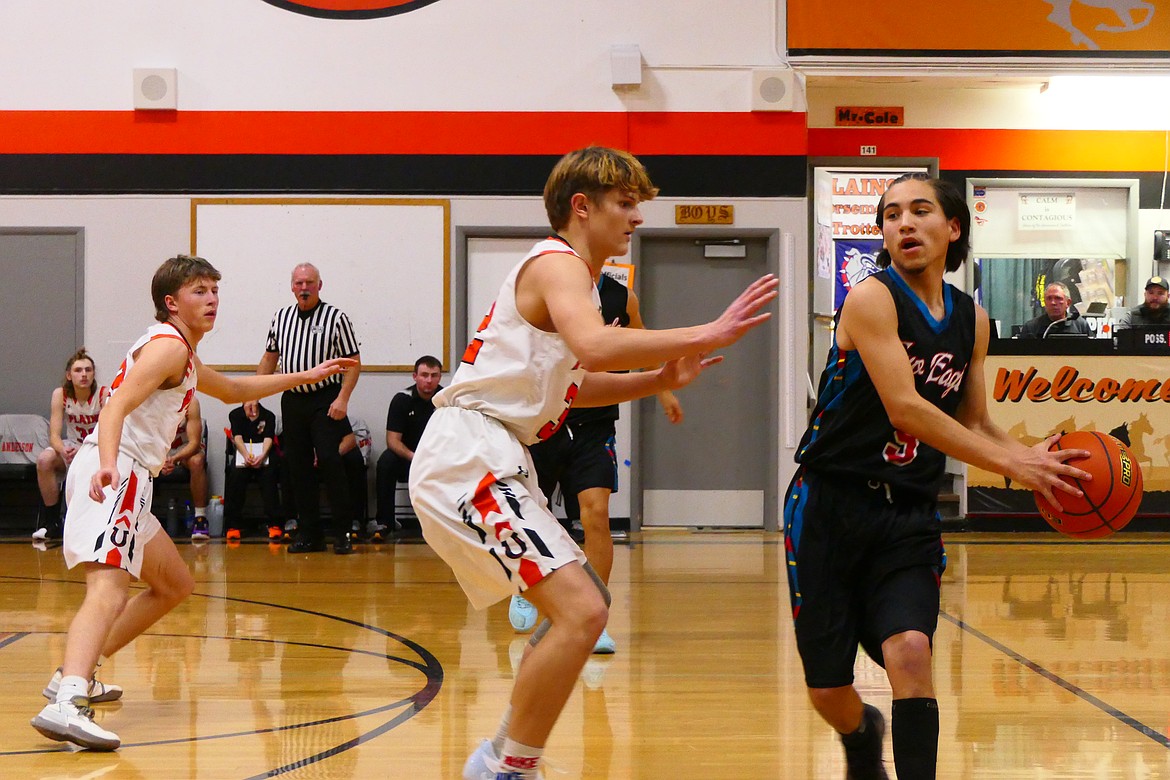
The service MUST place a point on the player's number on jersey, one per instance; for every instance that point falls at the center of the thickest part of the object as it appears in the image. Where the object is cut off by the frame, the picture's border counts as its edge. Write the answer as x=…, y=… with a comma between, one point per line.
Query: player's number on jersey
x=902, y=450
x=552, y=426
x=472, y=352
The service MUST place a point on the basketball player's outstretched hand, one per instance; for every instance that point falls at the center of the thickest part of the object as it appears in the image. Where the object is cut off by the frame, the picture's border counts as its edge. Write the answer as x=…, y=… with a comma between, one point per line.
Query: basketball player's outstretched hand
x=1041, y=469
x=102, y=479
x=742, y=315
x=681, y=372
x=329, y=368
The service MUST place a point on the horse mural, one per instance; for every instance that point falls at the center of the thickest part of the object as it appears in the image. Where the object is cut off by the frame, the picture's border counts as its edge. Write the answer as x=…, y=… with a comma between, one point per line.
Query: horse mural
x=1127, y=12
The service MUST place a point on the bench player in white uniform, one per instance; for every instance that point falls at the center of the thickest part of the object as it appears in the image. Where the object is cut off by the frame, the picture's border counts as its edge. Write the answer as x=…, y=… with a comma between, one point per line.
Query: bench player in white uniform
x=187, y=462
x=541, y=348
x=73, y=409
x=109, y=528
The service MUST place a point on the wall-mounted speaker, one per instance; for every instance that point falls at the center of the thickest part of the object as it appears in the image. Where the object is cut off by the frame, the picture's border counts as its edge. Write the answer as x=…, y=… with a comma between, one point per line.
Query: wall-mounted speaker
x=156, y=88
x=1161, y=246
x=625, y=63
x=774, y=89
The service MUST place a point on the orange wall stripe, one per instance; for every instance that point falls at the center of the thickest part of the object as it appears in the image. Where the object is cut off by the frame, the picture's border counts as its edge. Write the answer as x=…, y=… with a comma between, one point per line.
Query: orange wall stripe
x=756, y=133
x=1023, y=150
x=266, y=132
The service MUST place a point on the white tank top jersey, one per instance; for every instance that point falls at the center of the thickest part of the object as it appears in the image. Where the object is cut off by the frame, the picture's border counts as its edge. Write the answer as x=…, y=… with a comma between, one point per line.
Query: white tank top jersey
x=514, y=372
x=148, y=431
x=81, y=418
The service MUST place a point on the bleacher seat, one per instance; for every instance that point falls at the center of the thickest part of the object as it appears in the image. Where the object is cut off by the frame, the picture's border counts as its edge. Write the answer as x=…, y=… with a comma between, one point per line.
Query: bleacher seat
x=22, y=438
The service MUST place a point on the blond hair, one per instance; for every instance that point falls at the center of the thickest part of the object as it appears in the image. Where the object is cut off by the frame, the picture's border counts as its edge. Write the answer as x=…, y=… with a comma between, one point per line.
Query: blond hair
x=593, y=171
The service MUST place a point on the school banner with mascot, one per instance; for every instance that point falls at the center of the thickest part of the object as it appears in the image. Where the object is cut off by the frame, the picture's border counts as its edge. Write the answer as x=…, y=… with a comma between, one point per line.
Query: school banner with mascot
x=1032, y=397
x=856, y=259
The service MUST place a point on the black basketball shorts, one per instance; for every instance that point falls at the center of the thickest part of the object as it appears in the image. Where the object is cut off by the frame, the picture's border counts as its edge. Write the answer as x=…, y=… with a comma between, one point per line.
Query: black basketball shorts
x=864, y=564
x=577, y=457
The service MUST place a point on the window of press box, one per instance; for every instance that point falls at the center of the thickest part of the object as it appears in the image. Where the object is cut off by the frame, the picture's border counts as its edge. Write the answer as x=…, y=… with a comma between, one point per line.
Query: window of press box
x=1028, y=233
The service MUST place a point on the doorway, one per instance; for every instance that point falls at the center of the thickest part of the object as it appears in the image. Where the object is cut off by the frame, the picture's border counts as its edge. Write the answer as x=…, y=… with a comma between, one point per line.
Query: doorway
x=44, y=302
x=717, y=468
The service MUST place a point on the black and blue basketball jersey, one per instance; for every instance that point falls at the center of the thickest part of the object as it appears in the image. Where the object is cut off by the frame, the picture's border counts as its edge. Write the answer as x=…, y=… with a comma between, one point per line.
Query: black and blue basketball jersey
x=615, y=300
x=850, y=433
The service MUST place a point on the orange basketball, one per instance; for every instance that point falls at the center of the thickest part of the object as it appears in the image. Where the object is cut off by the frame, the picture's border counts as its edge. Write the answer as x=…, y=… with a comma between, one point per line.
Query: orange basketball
x=1110, y=499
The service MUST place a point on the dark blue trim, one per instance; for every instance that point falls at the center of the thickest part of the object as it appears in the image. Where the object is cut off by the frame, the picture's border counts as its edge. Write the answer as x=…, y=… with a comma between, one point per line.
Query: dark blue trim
x=938, y=326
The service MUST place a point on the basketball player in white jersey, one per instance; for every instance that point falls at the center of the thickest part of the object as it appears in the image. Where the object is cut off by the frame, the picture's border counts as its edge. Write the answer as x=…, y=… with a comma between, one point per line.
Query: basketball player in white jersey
x=541, y=348
x=109, y=529
x=73, y=410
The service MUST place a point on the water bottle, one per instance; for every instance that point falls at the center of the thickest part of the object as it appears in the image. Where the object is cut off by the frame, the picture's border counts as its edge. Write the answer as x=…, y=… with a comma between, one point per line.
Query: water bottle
x=173, y=518
x=189, y=517
x=215, y=516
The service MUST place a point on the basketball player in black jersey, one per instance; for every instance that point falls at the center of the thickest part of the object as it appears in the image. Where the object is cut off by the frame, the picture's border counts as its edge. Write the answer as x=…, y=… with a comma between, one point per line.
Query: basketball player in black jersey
x=581, y=457
x=902, y=389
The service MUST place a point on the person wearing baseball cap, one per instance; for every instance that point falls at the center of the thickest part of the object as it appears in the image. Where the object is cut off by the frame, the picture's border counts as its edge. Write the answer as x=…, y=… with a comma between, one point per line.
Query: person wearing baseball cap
x=1155, y=310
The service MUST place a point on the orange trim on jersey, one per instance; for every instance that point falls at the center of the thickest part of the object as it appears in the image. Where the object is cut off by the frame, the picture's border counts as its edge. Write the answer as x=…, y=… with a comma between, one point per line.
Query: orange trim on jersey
x=1002, y=150
x=483, y=500
x=122, y=521
x=530, y=572
x=472, y=351
x=400, y=132
x=485, y=503
x=571, y=251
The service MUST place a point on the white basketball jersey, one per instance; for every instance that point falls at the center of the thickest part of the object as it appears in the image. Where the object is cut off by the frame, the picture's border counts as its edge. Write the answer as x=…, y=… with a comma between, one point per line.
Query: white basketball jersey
x=81, y=418
x=148, y=431
x=181, y=438
x=512, y=371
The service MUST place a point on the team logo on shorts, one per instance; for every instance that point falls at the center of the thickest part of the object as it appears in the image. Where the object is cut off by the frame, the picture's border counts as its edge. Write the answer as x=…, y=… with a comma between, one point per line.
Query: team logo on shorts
x=350, y=9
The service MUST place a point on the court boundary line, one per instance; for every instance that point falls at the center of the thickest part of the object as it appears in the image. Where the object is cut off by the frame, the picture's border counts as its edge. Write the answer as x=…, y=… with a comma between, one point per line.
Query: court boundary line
x=1052, y=677
x=414, y=703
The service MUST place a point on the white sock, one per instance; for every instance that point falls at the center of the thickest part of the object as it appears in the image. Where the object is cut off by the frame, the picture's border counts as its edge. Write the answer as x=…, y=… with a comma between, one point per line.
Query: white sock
x=72, y=686
x=502, y=732
x=520, y=759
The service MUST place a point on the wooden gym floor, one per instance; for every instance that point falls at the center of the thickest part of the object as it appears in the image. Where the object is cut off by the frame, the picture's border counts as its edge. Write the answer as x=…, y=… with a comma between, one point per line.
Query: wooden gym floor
x=1052, y=661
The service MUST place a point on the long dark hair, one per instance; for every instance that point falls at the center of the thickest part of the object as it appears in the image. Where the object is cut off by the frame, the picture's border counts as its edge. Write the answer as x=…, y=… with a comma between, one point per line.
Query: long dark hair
x=67, y=384
x=954, y=206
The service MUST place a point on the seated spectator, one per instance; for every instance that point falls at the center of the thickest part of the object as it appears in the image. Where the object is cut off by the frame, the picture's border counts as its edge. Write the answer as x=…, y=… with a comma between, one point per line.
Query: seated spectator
x=409, y=412
x=187, y=461
x=1154, y=311
x=1059, y=316
x=253, y=431
x=73, y=410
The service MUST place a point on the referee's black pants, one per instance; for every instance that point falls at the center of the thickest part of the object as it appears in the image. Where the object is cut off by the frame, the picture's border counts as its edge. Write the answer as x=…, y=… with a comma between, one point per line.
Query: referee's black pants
x=309, y=432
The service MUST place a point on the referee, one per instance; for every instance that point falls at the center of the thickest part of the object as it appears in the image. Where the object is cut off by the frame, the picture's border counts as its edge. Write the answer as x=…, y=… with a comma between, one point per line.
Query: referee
x=315, y=417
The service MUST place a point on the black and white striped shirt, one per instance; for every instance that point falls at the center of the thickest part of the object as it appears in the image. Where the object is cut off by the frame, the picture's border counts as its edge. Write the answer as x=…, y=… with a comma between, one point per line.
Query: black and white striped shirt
x=305, y=339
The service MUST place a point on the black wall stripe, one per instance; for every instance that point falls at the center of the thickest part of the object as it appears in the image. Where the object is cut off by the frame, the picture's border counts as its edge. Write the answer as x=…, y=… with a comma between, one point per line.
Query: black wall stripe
x=724, y=176
x=454, y=175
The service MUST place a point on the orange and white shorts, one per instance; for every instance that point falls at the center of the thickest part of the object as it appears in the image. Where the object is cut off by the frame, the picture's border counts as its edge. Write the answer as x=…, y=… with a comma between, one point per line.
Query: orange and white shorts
x=475, y=492
x=115, y=531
